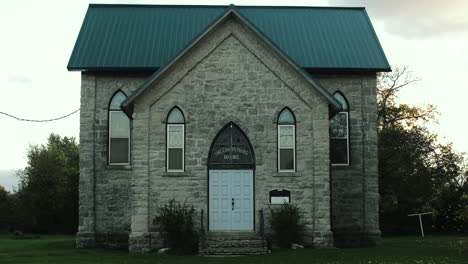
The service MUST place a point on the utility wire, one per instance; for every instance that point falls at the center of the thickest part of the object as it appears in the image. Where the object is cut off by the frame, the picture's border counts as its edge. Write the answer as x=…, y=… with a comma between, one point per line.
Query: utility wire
x=45, y=120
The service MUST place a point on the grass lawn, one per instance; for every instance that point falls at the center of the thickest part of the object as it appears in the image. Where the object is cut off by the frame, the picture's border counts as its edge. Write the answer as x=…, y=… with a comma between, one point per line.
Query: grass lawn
x=59, y=249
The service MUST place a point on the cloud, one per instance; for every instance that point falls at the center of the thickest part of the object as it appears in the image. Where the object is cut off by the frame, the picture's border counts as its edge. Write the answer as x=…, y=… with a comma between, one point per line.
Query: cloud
x=416, y=18
x=19, y=79
x=8, y=179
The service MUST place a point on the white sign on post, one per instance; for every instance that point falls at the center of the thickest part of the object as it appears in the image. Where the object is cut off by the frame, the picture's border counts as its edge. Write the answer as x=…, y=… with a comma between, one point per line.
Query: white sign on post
x=279, y=200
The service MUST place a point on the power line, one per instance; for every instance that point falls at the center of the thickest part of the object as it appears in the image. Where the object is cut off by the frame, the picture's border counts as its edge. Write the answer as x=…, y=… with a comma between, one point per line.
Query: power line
x=45, y=120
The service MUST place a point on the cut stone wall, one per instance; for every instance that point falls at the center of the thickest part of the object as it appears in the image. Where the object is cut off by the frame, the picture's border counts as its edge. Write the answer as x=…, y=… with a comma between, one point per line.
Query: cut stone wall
x=232, y=76
x=104, y=190
x=355, y=218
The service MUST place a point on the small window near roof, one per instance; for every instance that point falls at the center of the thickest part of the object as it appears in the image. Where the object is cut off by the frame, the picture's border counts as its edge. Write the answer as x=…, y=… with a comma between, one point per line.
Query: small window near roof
x=119, y=132
x=286, y=141
x=175, y=140
x=339, y=134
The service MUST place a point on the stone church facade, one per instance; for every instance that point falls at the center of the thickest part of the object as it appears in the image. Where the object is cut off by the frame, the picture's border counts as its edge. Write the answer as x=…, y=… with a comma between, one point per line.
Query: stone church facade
x=233, y=126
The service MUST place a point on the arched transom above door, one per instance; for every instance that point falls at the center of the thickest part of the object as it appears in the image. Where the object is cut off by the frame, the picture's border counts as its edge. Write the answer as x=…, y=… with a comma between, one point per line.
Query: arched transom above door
x=231, y=149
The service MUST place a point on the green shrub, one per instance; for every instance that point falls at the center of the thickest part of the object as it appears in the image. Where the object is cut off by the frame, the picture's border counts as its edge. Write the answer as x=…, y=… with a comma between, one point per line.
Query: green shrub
x=175, y=224
x=286, y=224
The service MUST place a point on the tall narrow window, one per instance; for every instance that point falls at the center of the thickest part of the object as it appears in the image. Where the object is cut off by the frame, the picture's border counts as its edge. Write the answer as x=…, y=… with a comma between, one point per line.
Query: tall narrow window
x=119, y=132
x=286, y=141
x=175, y=140
x=339, y=134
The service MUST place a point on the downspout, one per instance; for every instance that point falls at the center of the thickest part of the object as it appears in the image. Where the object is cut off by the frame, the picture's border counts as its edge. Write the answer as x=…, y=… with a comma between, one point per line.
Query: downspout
x=363, y=169
x=148, y=133
x=94, y=158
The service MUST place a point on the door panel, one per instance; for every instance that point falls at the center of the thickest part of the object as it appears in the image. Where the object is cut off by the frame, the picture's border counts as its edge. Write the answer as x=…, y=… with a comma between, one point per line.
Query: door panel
x=231, y=200
x=220, y=211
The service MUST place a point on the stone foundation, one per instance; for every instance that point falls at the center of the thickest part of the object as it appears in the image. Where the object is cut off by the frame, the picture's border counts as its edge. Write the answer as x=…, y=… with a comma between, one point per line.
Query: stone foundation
x=85, y=240
x=112, y=240
x=323, y=239
x=156, y=241
x=118, y=240
x=139, y=242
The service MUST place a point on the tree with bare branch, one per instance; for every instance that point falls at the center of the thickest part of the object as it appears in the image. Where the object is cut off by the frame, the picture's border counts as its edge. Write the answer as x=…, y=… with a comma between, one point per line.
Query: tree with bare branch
x=390, y=112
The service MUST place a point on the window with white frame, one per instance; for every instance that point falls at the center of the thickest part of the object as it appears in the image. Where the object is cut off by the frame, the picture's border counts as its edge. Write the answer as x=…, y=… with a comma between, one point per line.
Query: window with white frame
x=119, y=132
x=339, y=134
x=286, y=141
x=175, y=140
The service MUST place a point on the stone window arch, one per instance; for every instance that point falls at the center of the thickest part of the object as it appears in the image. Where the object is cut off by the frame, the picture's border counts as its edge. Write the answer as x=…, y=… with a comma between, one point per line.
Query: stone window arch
x=339, y=133
x=118, y=131
x=286, y=141
x=175, y=140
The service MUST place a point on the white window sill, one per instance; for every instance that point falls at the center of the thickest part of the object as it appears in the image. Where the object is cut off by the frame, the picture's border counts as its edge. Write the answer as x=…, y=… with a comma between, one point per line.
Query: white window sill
x=287, y=174
x=177, y=174
x=119, y=167
x=340, y=166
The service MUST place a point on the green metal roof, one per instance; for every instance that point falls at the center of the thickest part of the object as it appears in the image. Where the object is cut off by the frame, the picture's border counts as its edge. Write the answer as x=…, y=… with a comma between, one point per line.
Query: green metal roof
x=127, y=104
x=147, y=37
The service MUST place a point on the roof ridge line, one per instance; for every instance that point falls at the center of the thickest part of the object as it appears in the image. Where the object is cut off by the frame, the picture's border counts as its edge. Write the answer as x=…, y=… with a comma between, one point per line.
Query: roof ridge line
x=202, y=6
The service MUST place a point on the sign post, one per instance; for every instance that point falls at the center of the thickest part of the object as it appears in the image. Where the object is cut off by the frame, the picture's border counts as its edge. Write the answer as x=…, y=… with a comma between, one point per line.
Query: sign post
x=420, y=221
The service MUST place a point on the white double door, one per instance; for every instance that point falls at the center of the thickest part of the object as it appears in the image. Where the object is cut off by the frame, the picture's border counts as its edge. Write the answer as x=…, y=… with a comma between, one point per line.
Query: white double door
x=231, y=200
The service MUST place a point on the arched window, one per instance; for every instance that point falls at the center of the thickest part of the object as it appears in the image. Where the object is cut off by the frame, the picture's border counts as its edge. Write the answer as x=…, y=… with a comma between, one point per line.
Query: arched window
x=339, y=134
x=175, y=140
x=286, y=141
x=119, y=132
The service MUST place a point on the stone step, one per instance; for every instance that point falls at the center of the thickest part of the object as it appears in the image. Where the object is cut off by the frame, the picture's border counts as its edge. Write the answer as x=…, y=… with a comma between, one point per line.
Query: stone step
x=231, y=253
x=244, y=249
x=232, y=235
x=232, y=244
x=238, y=241
x=232, y=238
x=252, y=243
x=235, y=251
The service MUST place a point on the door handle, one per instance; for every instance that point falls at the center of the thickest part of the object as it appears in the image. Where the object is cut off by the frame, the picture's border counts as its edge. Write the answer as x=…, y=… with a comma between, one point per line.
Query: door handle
x=232, y=203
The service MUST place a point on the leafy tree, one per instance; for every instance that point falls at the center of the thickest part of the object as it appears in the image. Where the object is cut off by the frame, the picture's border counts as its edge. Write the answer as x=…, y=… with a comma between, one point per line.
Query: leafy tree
x=47, y=197
x=6, y=209
x=416, y=173
x=450, y=199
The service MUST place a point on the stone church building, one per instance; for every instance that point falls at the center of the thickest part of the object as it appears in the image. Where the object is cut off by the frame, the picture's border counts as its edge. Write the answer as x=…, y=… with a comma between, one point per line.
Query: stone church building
x=231, y=109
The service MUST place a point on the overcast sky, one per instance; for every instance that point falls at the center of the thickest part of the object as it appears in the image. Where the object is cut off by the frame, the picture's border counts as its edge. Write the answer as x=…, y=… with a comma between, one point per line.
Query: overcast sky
x=38, y=37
